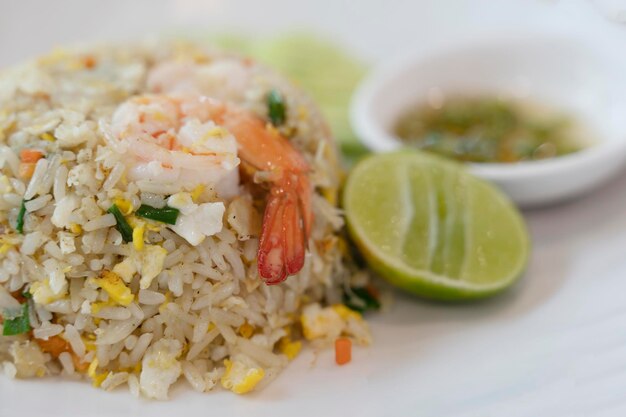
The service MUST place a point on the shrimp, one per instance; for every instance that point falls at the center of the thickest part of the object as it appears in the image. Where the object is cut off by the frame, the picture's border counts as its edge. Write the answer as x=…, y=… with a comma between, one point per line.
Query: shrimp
x=288, y=217
x=224, y=79
x=183, y=137
x=169, y=140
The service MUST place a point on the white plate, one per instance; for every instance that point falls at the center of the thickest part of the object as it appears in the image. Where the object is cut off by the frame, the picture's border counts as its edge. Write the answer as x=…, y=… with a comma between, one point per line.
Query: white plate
x=554, y=346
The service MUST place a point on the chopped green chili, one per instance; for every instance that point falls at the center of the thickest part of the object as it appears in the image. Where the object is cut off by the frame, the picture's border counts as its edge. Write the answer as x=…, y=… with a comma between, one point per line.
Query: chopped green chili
x=18, y=324
x=276, y=108
x=165, y=215
x=122, y=225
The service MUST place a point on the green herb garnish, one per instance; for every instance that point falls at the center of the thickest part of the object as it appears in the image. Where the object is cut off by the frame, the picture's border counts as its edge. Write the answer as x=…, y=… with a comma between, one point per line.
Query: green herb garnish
x=276, y=108
x=18, y=324
x=360, y=299
x=164, y=215
x=20, y=218
x=122, y=225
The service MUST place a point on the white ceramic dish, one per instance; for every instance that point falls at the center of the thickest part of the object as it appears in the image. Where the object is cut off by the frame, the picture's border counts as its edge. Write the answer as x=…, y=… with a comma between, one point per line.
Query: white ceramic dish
x=583, y=78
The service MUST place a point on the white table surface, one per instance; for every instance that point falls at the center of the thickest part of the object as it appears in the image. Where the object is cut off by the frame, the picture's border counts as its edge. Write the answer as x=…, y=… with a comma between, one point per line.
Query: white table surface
x=555, y=345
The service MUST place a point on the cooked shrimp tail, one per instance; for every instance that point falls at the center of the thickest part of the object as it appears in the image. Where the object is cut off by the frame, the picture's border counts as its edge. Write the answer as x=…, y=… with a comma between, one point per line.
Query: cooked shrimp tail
x=288, y=217
x=284, y=234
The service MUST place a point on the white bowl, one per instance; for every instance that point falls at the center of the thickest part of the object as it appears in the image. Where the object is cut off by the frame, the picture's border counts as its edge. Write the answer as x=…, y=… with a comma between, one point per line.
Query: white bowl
x=583, y=78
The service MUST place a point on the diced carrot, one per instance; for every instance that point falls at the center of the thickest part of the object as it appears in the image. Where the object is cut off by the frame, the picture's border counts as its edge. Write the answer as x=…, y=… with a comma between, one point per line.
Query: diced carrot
x=19, y=296
x=343, y=350
x=55, y=345
x=30, y=155
x=89, y=61
x=26, y=170
x=29, y=158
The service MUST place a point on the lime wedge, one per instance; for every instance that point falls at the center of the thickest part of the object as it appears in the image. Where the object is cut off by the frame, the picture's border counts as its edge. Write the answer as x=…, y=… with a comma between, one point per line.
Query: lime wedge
x=430, y=228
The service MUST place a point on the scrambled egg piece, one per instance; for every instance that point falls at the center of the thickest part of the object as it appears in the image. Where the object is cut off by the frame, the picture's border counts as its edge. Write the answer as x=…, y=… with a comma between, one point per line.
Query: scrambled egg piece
x=330, y=194
x=126, y=269
x=138, y=232
x=241, y=378
x=115, y=287
x=318, y=322
x=290, y=348
x=148, y=262
x=331, y=322
x=181, y=201
x=125, y=206
x=96, y=378
x=196, y=221
x=152, y=259
x=7, y=242
x=160, y=368
x=47, y=137
x=94, y=308
x=5, y=247
x=43, y=294
x=345, y=313
x=197, y=192
x=76, y=228
x=139, y=229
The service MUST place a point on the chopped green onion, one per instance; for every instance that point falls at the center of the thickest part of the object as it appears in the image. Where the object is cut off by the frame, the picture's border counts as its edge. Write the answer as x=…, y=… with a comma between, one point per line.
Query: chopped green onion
x=360, y=299
x=18, y=324
x=276, y=108
x=27, y=294
x=122, y=225
x=165, y=215
x=20, y=218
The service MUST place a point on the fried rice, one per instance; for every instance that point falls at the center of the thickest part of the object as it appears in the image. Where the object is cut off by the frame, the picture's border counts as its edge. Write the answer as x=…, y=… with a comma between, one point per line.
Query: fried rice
x=79, y=299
